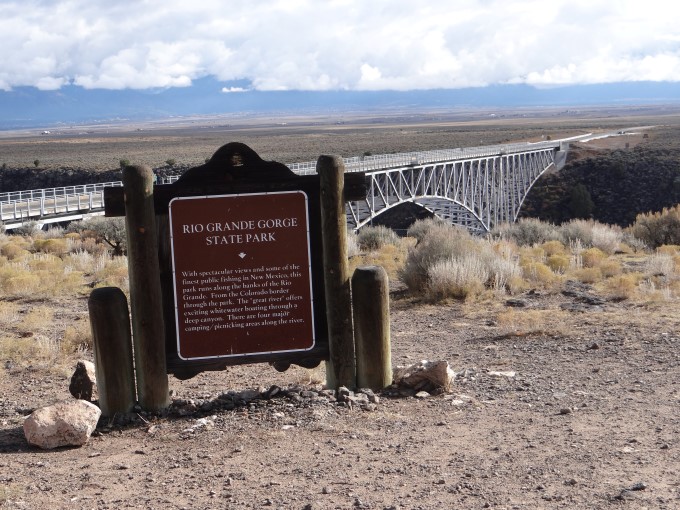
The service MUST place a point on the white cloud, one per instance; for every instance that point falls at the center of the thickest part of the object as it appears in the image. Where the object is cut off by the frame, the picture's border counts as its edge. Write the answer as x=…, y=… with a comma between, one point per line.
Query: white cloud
x=231, y=90
x=337, y=44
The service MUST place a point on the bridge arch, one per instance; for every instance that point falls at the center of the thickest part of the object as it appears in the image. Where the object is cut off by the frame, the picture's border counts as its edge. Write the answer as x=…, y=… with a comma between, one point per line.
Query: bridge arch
x=475, y=192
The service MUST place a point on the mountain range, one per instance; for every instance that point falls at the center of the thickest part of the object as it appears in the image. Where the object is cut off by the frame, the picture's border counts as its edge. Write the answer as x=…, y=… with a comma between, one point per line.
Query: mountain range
x=27, y=107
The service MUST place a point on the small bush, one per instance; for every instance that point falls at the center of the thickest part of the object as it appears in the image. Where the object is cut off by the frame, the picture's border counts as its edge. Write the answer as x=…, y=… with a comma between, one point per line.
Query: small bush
x=374, y=238
x=577, y=230
x=610, y=268
x=660, y=264
x=538, y=273
x=456, y=278
x=559, y=263
x=592, y=257
x=588, y=274
x=623, y=286
x=352, y=245
x=419, y=229
x=440, y=242
x=607, y=238
x=656, y=229
x=553, y=247
x=53, y=246
x=527, y=232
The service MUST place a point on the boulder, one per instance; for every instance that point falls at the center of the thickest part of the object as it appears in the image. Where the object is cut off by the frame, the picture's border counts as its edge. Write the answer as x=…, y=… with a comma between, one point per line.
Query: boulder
x=83, y=380
x=426, y=376
x=62, y=424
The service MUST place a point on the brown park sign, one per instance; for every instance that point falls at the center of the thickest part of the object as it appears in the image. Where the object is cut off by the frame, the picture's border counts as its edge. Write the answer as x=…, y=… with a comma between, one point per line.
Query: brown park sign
x=241, y=274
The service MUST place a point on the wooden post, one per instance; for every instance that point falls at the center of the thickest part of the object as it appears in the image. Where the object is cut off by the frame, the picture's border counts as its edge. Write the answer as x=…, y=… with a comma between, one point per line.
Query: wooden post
x=148, y=329
x=341, y=369
x=110, y=323
x=371, y=306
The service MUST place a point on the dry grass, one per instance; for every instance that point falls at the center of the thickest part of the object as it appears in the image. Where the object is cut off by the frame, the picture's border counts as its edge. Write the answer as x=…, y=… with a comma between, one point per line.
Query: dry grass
x=522, y=322
x=41, y=277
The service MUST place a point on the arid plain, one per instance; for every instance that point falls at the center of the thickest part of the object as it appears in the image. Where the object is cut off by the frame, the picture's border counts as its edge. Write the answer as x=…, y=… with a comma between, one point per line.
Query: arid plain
x=569, y=401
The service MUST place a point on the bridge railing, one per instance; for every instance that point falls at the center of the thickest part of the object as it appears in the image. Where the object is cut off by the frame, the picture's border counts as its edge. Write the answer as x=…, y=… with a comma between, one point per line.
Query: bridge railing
x=58, y=201
x=383, y=161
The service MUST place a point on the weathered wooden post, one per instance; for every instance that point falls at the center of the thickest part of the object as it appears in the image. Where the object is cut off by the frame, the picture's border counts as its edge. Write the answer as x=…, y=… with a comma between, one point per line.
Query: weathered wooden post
x=371, y=305
x=341, y=368
x=148, y=328
x=110, y=322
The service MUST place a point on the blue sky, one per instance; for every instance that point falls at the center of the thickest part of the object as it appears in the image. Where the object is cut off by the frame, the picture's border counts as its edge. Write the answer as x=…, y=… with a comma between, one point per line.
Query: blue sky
x=246, y=46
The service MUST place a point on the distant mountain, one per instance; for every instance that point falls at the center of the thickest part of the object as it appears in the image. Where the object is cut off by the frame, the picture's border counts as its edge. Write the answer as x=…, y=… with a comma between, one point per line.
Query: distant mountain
x=28, y=107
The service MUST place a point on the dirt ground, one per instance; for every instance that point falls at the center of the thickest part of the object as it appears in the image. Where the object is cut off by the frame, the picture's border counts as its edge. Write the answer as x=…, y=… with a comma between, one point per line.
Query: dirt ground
x=568, y=401
x=588, y=420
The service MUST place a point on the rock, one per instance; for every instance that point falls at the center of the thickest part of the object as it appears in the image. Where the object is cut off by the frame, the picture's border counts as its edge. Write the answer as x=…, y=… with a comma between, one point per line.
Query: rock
x=83, y=380
x=423, y=394
x=508, y=373
x=62, y=424
x=426, y=376
x=516, y=303
x=248, y=395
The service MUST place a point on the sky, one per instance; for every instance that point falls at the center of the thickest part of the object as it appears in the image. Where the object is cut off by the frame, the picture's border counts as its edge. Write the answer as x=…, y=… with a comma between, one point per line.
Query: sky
x=336, y=45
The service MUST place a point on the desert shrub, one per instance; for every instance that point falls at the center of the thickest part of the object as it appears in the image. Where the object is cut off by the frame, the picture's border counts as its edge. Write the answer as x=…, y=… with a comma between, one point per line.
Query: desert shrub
x=588, y=274
x=527, y=231
x=592, y=257
x=606, y=237
x=670, y=249
x=30, y=228
x=559, y=262
x=581, y=230
x=538, y=273
x=456, y=278
x=440, y=242
x=659, y=264
x=472, y=263
x=623, y=286
x=77, y=338
x=658, y=228
x=419, y=229
x=553, y=247
x=374, y=238
x=610, y=268
x=352, y=245
x=53, y=246
x=503, y=272
x=110, y=231
x=390, y=257
x=13, y=251
x=53, y=232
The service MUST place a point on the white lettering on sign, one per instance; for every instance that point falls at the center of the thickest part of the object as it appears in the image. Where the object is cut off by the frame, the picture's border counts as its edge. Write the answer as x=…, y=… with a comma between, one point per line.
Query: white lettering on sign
x=242, y=225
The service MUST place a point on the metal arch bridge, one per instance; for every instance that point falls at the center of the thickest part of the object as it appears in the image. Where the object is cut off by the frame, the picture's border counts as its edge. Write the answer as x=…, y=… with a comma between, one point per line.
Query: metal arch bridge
x=476, y=187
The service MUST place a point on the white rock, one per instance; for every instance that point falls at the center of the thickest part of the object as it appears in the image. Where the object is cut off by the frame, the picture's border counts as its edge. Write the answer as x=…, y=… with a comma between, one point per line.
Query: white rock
x=510, y=373
x=437, y=373
x=62, y=424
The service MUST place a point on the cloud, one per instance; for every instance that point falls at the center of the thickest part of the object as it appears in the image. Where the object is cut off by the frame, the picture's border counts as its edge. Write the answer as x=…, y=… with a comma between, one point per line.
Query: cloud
x=336, y=44
x=231, y=90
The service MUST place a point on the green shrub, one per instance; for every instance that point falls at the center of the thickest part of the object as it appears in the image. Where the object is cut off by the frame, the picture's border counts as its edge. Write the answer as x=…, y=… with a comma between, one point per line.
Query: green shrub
x=107, y=230
x=373, y=238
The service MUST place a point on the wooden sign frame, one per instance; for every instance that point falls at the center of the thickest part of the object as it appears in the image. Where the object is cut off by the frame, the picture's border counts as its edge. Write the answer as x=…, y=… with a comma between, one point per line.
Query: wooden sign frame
x=236, y=170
